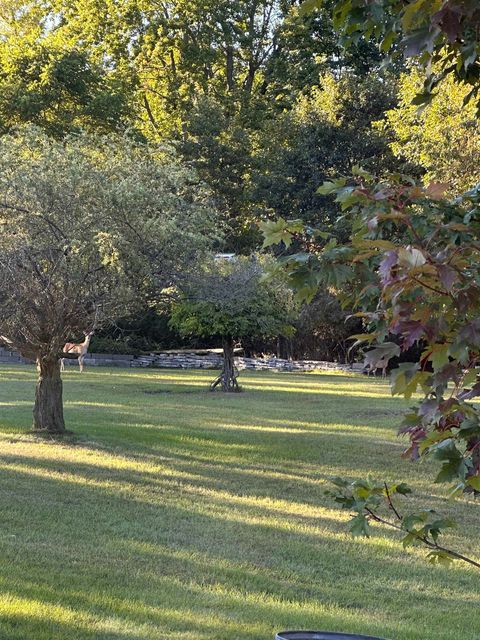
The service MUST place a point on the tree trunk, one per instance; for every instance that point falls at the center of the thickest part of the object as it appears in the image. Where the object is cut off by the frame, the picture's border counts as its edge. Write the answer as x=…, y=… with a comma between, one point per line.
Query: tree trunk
x=227, y=380
x=48, y=410
x=230, y=80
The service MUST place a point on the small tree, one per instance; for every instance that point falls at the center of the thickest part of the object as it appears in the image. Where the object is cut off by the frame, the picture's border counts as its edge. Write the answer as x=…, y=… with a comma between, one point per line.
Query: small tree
x=231, y=300
x=87, y=226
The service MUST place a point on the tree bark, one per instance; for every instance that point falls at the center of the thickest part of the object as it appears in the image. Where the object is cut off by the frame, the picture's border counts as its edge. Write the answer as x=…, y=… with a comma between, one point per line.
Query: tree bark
x=227, y=380
x=230, y=80
x=48, y=410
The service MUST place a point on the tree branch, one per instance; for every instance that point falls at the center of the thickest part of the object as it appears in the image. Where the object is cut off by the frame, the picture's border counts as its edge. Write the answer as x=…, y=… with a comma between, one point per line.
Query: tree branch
x=428, y=543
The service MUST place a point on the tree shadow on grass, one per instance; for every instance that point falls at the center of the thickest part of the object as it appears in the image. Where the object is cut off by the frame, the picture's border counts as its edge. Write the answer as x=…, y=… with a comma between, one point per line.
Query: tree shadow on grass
x=203, y=531
x=189, y=473
x=300, y=453
x=105, y=551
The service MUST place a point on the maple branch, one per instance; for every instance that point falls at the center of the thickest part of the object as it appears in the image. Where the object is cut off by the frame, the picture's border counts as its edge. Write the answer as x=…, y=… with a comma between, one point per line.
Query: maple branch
x=427, y=286
x=428, y=543
x=390, y=502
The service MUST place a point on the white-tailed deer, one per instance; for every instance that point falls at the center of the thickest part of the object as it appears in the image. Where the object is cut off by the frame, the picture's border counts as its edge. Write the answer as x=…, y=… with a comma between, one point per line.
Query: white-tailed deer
x=373, y=367
x=81, y=349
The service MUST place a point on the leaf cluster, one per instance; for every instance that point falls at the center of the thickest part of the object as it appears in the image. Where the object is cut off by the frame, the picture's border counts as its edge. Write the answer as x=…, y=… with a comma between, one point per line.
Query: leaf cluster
x=371, y=501
x=441, y=35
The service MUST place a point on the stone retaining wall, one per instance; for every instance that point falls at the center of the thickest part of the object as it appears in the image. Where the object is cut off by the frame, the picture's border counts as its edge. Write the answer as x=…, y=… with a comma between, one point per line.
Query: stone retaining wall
x=190, y=360
x=92, y=359
x=104, y=360
x=186, y=360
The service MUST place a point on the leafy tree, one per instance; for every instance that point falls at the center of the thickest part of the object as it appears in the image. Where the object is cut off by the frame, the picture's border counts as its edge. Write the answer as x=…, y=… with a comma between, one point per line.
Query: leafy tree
x=442, y=35
x=61, y=90
x=413, y=264
x=327, y=131
x=89, y=226
x=421, y=253
x=442, y=138
x=220, y=147
x=231, y=300
x=414, y=259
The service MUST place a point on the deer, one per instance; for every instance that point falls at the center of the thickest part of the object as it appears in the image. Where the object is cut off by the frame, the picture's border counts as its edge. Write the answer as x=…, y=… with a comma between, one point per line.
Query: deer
x=373, y=367
x=81, y=349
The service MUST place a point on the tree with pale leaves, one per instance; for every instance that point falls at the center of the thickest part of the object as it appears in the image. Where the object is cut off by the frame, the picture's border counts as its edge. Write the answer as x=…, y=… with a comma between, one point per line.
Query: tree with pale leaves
x=88, y=226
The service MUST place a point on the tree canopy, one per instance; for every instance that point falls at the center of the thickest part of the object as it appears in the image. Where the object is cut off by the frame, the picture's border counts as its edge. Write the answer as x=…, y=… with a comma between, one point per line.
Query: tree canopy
x=443, y=138
x=214, y=77
x=441, y=35
x=88, y=226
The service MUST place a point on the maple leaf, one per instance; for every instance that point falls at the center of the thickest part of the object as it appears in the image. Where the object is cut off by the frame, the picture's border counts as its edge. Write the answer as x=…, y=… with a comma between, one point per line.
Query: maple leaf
x=448, y=276
x=385, y=268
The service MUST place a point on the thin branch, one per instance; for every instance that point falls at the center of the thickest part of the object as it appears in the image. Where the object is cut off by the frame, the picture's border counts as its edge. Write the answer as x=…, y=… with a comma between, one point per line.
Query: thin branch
x=149, y=112
x=390, y=502
x=429, y=543
x=427, y=286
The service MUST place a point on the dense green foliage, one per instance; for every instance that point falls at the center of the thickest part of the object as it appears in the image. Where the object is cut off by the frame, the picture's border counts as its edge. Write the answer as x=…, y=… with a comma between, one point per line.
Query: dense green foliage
x=443, y=138
x=59, y=90
x=323, y=329
x=260, y=99
x=217, y=78
x=328, y=129
x=442, y=35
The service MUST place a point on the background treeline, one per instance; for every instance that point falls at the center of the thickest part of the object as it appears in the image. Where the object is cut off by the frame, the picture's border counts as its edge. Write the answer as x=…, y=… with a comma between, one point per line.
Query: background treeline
x=259, y=100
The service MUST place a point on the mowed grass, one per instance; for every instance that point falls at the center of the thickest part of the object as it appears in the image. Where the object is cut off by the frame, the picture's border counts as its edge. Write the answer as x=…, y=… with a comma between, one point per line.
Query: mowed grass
x=179, y=514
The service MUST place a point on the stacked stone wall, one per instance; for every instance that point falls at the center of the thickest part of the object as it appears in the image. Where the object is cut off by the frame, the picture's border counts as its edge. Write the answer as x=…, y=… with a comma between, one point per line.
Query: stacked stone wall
x=190, y=360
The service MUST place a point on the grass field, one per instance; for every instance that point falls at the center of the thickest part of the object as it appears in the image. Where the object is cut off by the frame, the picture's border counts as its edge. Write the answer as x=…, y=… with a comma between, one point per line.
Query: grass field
x=179, y=514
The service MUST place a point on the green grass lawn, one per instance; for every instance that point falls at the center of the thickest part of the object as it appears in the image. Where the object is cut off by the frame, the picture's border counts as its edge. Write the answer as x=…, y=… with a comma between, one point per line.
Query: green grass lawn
x=179, y=514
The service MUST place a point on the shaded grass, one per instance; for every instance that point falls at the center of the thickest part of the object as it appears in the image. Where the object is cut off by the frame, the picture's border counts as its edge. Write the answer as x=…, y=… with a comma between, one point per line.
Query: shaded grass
x=180, y=514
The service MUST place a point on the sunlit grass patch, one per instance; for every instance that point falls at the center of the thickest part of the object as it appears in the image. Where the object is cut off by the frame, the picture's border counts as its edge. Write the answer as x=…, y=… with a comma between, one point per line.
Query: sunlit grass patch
x=176, y=513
